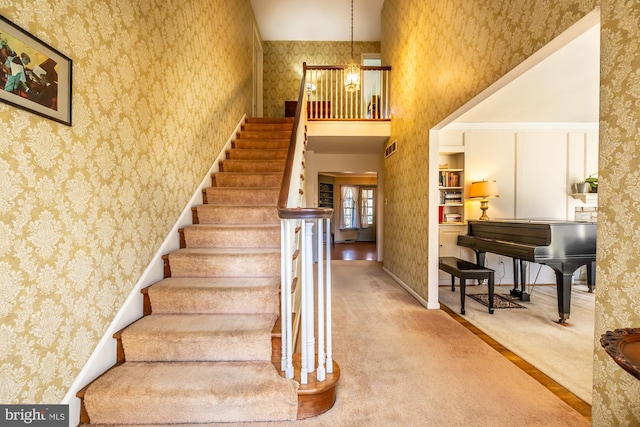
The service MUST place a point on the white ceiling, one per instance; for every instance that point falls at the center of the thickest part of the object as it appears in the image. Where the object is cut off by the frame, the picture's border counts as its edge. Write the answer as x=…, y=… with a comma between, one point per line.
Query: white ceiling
x=318, y=20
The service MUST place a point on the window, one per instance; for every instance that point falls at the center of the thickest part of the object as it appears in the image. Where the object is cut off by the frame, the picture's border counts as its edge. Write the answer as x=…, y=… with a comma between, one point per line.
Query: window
x=367, y=214
x=349, y=203
x=357, y=207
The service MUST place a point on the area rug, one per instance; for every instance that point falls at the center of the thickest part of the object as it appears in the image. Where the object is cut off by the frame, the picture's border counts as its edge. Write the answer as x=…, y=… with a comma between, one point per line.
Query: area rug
x=569, y=360
x=499, y=301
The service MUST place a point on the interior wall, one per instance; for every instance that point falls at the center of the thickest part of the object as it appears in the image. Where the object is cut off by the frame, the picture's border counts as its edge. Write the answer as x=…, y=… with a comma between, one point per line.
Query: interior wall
x=435, y=46
x=157, y=88
x=616, y=392
x=283, y=66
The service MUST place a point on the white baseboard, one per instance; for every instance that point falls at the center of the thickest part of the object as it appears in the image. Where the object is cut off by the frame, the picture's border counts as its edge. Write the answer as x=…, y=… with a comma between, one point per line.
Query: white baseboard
x=413, y=293
x=104, y=355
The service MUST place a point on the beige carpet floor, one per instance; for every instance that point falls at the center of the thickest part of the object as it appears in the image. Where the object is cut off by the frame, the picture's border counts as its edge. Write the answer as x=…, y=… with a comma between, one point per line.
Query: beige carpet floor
x=565, y=353
x=404, y=365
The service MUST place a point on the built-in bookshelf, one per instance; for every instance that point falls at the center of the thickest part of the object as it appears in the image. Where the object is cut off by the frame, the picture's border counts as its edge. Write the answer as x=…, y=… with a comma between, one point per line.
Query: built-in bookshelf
x=451, y=188
x=325, y=195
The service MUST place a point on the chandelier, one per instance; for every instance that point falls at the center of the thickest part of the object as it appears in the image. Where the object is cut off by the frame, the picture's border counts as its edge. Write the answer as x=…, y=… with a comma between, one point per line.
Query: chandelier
x=352, y=71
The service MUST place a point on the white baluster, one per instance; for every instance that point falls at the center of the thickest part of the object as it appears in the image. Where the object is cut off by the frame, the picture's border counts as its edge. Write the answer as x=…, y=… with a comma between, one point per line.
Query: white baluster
x=386, y=94
x=328, y=299
x=320, y=374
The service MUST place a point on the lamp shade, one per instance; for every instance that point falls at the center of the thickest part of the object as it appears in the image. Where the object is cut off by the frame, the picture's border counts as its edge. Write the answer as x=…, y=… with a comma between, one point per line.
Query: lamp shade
x=483, y=190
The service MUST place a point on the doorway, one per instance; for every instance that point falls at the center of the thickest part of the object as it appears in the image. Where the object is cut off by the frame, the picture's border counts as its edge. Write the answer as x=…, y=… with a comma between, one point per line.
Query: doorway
x=353, y=197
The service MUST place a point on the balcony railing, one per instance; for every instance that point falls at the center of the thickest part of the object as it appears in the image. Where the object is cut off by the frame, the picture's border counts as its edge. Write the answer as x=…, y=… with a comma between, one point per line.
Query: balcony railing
x=327, y=98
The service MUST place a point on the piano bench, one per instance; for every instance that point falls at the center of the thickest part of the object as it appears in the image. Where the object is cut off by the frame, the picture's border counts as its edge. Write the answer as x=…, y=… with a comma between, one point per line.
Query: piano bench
x=464, y=270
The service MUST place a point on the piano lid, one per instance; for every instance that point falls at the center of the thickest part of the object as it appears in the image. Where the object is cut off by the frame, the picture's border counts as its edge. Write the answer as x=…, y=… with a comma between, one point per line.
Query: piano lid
x=533, y=239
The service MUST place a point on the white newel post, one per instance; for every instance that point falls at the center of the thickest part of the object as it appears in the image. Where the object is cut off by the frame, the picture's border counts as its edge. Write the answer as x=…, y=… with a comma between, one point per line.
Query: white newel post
x=303, y=308
x=307, y=256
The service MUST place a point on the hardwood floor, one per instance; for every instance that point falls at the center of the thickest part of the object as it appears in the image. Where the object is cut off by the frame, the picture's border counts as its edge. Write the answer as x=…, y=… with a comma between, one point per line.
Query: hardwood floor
x=355, y=251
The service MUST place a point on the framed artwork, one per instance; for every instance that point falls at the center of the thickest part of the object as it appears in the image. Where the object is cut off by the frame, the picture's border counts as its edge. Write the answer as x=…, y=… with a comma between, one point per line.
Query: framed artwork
x=33, y=75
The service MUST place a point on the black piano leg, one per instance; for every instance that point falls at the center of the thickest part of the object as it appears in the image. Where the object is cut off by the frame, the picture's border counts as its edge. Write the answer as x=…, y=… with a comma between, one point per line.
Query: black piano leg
x=563, y=285
x=463, y=291
x=515, y=292
x=491, y=294
x=524, y=296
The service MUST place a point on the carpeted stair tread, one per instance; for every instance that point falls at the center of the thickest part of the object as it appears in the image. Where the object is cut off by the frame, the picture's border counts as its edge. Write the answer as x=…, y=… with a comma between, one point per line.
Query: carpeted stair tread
x=215, y=295
x=242, y=195
x=265, y=143
x=225, y=262
x=232, y=236
x=206, y=392
x=269, y=120
x=247, y=179
x=255, y=154
x=278, y=134
x=199, y=337
x=232, y=165
x=238, y=214
x=262, y=127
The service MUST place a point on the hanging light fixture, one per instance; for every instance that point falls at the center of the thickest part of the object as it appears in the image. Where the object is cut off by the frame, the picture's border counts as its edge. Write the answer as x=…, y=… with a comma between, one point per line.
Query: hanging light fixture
x=352, y=71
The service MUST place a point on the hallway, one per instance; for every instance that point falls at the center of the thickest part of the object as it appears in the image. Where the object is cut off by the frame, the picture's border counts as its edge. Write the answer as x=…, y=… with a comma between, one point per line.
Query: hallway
x=354, y=251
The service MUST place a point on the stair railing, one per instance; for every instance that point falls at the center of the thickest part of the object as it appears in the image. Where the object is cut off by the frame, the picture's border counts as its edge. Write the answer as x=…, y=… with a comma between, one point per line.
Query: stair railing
x=327, y=98
x=297, y=224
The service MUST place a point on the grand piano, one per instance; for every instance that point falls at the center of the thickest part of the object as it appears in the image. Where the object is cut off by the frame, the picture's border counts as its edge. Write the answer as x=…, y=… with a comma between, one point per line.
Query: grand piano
x=562, y=245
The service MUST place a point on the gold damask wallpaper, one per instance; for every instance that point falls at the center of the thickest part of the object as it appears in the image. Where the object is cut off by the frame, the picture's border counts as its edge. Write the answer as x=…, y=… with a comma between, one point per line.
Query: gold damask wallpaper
x=616, y=397
x=451, y=51
x=158, y=86
x=283, y=66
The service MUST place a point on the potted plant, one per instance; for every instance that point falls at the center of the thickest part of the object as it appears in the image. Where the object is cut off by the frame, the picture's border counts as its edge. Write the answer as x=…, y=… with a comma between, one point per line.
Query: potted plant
x=593, y=182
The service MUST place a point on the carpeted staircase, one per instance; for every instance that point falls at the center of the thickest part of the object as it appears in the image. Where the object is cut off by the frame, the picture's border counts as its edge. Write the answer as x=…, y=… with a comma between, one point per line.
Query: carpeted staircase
x=203, y=351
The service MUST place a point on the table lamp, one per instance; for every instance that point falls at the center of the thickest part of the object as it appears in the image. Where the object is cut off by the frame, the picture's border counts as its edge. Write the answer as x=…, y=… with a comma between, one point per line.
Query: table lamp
x=483, y=190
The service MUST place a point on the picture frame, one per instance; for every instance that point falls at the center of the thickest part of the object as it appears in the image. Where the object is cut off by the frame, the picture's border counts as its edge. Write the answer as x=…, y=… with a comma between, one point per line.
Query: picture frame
x=33, y=75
